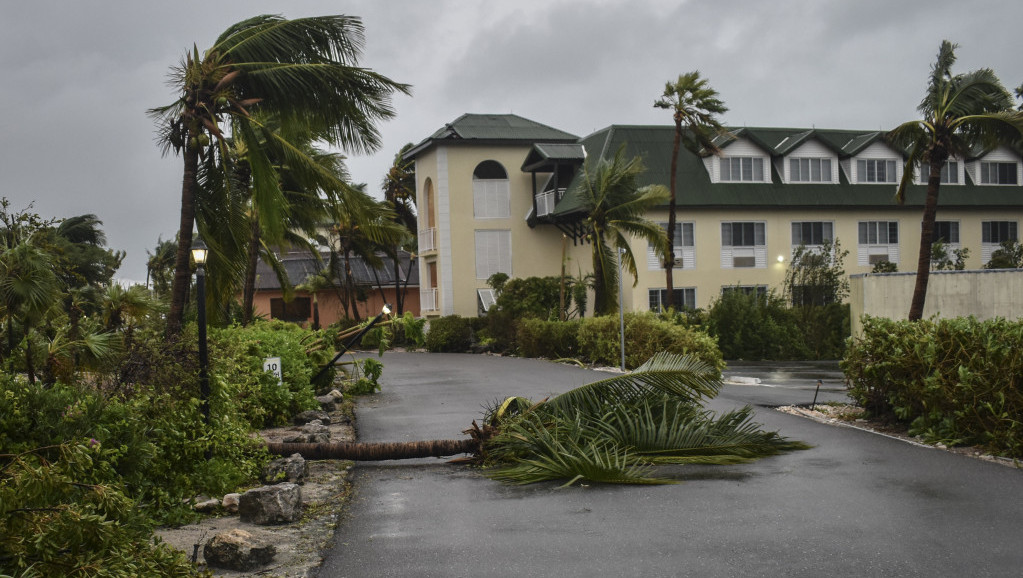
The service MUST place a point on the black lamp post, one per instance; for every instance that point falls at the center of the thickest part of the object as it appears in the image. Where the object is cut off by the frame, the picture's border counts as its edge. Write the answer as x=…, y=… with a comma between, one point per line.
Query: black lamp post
x=199, y=254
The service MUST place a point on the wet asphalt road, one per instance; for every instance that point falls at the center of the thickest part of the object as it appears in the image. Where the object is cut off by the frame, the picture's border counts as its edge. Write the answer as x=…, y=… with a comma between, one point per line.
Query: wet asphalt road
x=857, y=504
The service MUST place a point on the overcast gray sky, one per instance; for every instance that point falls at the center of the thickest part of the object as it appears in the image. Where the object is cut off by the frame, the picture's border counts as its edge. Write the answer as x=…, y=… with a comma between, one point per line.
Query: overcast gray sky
x=77, y=77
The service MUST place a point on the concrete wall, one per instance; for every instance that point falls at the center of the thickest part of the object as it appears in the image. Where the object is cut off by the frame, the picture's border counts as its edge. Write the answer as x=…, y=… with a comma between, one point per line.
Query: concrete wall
x=984, y=294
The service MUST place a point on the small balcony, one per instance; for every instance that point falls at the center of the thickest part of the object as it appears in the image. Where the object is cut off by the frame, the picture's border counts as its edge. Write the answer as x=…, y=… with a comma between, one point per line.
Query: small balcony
x=427, y=239
x=546, y=201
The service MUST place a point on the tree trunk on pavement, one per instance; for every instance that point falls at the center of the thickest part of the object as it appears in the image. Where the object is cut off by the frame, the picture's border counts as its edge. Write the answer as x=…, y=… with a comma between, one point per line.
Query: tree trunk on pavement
x=371, y=452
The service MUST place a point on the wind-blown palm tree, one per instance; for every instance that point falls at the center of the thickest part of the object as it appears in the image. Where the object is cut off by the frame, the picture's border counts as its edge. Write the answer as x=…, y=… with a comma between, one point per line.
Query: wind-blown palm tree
x=961, y=113
x=615, y=206
x=613, y=431
x=694, y=105
x=399, y=187
x=304, y=73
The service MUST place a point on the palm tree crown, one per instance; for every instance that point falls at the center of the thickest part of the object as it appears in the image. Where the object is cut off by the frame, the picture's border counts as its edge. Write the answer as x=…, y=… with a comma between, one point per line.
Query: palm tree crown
x=694, y=105
x=615, y=206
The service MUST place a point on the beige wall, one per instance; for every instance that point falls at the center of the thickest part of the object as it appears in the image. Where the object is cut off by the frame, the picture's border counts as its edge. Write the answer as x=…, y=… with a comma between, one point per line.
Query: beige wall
x=981, y=293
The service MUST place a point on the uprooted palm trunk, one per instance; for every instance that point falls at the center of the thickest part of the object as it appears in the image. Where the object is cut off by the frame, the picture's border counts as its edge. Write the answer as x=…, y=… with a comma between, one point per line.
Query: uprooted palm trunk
x=368, y=452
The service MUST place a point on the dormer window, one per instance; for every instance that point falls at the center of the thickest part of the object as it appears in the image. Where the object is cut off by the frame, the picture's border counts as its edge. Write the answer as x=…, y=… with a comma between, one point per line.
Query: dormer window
x=998, y=173
x=949, y=173
x=739, y=169
x=876, y=170
x=810, y=170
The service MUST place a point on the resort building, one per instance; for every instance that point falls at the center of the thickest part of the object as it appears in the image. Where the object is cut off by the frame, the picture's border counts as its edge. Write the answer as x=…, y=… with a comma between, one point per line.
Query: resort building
x=491, y=196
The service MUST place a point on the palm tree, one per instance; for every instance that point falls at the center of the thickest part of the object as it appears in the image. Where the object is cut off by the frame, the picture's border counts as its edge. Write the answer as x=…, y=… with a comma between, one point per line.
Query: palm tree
x=613, y=431
x=961, y=113
x=360, y=228
x=694, y=105
x=399, y=187
x=615, y=206
x=304, y=73
x=160, y=266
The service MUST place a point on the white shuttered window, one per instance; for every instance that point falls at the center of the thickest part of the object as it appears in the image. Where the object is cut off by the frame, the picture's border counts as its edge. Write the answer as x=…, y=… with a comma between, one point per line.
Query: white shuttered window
x=493, y=253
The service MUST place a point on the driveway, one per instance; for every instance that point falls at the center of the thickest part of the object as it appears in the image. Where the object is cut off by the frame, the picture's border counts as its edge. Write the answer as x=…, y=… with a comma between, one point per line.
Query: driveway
x=857, y=504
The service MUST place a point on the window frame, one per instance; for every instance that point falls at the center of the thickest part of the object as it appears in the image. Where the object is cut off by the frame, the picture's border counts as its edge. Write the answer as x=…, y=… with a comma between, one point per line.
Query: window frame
x=829, y=236
x=494, y=255
x=687, y=300
x=756, y=169
x=985, y=171
x=863, y=170
x=795, y=162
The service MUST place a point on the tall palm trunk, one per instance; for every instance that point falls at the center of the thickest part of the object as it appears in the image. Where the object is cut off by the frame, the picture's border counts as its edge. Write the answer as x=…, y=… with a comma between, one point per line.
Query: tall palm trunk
x=669, y=260
x=370, y=452
x=182, y=265
x=923, y=262
x=249, y=291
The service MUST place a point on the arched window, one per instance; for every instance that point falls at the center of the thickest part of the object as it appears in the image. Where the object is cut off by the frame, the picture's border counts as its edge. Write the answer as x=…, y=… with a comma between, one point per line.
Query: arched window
x=490, y=191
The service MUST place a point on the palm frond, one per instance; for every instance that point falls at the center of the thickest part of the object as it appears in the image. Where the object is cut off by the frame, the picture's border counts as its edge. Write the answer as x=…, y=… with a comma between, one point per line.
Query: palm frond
x=682, y=376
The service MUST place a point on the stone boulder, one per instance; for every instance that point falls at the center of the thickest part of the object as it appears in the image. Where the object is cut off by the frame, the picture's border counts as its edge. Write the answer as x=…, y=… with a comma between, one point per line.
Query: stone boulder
x=237, y=550
x=310, y=415
x=327, y=402
x=311, y=433
x=230, y=503
x=266, y=505
x=290, y=469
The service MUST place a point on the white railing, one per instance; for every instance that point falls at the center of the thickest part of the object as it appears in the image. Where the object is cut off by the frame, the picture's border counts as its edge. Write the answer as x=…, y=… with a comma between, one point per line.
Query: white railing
x=546, y=201
x=428, y=300
x=427, y=239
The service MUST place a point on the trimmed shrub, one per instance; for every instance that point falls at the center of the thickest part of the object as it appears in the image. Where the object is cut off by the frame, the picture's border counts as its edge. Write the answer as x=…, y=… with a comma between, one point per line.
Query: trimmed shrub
x=450, y=334
x=954, y=381
x=549, y=339
x=752, y=327
x=645, y=335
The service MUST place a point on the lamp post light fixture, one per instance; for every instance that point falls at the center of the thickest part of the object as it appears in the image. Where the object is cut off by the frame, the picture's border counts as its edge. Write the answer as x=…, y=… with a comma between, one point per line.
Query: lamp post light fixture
x=385, y=310
x=199, y=254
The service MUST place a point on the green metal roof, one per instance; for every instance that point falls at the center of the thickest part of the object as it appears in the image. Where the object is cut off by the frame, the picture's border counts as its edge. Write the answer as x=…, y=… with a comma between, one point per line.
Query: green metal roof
x=492, y=129
x=546, y=155
x=695, y=190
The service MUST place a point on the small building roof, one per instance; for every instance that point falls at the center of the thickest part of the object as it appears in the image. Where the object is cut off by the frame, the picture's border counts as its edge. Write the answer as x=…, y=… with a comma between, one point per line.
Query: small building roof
x=300, y=265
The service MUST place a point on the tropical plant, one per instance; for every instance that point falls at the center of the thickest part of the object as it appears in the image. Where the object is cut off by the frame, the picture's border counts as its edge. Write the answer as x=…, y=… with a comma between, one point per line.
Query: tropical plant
x=303, y=73
x=694, y=105
x=945, y=258
x=610, y=431
x=615, y=206
x=399, y=186
x=816, y=275
x=361, y=228
x=160, y=267
x=1008, y=256
x=961, y=113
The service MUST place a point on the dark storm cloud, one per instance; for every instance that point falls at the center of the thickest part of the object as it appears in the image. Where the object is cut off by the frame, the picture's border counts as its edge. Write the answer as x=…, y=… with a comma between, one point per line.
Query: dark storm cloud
x=79, y=76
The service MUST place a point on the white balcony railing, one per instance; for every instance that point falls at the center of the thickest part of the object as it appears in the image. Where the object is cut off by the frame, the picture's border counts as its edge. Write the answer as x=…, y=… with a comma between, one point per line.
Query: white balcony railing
x=546, y=201
x=427, y=239
x=428, y=300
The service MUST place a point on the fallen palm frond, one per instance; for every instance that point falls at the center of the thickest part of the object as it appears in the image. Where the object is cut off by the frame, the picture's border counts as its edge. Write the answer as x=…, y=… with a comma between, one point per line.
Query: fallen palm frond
x=617, y=429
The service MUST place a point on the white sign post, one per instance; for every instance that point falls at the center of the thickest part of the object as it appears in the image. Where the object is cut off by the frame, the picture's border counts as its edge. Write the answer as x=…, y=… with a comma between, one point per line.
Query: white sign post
x=273, y=365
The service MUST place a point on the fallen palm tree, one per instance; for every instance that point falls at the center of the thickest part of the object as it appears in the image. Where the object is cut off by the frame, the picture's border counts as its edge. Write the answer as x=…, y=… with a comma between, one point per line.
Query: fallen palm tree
x=615, y=430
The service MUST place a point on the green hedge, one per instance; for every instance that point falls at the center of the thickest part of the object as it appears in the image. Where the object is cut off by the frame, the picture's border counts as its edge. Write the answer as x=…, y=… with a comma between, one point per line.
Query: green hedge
x=645, y=335
x=550, y=339
x=955, y=381
x=451, y=334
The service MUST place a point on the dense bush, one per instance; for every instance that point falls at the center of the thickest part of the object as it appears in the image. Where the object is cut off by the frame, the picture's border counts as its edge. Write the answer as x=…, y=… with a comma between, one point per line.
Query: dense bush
x=239, y=353
x=61, y=516
x=954, y=381
x=550, y=339
x=451, y=334
x=751, y=326
x=531, y=297
x=645, y=335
